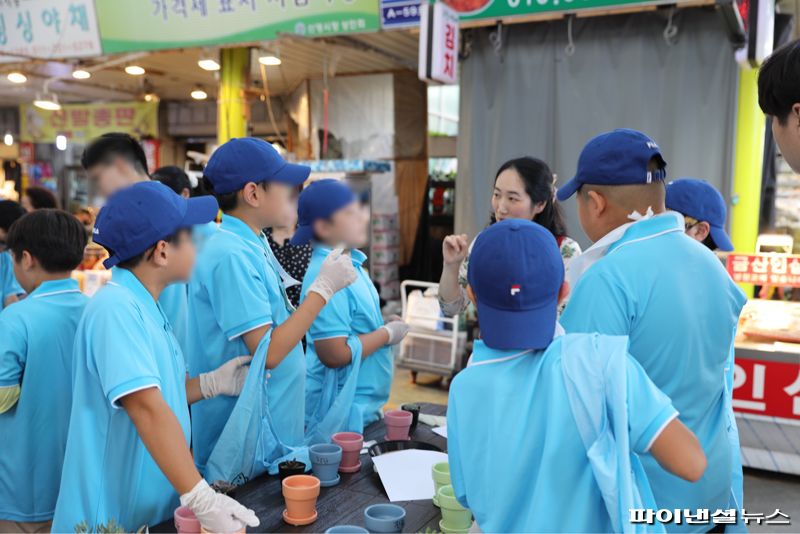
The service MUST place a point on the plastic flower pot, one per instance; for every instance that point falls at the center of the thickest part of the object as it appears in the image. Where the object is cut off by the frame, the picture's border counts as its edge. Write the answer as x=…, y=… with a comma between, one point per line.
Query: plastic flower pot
x=351, y=443
x=454, y=516
x=446, y=530
x=384, y=518
x=325, y=460
x=413, y=409
x=204, y=531
x=300, y=493
x=290, y=467
x=185, y=521
x=441, y=478
x=398, y=423
x=347, y=529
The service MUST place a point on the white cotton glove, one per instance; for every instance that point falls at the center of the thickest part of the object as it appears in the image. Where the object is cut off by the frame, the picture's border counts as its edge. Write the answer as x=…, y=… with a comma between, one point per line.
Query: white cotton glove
x=337, y=272
x=227, y=379
x=397, y=329
x=217, y=512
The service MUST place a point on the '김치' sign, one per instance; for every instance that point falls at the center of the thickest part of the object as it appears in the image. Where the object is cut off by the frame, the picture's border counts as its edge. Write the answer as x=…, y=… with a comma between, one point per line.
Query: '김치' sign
x=438, y=43
x=765, y=269
x=767, y=388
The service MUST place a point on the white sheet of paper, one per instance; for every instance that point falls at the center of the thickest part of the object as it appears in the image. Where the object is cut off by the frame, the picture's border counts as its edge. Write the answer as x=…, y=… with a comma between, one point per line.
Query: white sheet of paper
x=441, y=430
x=406, y=475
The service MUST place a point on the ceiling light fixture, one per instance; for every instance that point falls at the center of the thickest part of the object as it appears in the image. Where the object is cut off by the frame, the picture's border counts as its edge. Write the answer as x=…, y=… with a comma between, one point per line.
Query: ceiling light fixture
x=47, y=101
x=151, y=97
x=61, y=142
x=134, y=70
x=8, y=139
x=199, y=94
x=81, y=74
x=17, y=77
x=269, y=60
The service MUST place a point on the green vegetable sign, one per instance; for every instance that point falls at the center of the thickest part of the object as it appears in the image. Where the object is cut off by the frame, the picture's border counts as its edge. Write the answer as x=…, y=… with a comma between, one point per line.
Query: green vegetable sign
x=135, y=25
x=497, y=9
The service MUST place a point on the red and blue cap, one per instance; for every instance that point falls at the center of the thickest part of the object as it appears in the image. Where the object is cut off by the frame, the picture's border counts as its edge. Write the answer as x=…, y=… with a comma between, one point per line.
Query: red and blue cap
x=619, y=157
x=516, y=272
x=319, y=200
x=137, y=217
x=700, y=200
x=249, y=159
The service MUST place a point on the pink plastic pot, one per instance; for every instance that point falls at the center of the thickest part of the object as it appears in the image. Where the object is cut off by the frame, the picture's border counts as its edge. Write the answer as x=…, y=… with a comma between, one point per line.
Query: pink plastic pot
x=398, y=424
x=351, y=443
x=185, y=521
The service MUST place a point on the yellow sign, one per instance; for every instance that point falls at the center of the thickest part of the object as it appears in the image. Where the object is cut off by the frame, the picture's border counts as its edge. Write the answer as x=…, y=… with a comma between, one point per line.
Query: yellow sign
x=81, y=123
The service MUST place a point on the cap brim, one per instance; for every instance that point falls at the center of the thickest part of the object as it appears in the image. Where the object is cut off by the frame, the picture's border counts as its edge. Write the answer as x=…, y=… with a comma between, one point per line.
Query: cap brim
x=200, y=210
x=568, y=190
x=302, y=235
x=518, y=329
x=721, y=239
x=111, y=261
x=291, y=174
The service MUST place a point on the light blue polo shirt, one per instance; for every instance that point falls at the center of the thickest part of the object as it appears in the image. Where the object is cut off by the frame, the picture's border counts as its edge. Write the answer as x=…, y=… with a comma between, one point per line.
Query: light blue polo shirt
x=124, y=344
x=679, y=307
x=516, y=457
x=354, y=310
x=236, y=288
x=36, y=338
x=8, y=282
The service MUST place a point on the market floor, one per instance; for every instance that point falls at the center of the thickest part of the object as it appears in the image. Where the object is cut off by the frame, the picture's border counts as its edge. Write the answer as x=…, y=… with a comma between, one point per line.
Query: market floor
x=764, y=491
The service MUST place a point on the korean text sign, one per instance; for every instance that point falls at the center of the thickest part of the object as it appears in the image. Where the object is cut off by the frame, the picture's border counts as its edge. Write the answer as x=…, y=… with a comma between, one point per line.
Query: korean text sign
x=82, y=122
x=48, y=29
x=765, y=269
x=767, y=388
x=438, y=43
x=160, y=24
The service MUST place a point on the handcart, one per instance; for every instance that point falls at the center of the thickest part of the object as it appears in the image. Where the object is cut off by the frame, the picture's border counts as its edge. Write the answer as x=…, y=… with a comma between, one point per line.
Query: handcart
x=434, y=343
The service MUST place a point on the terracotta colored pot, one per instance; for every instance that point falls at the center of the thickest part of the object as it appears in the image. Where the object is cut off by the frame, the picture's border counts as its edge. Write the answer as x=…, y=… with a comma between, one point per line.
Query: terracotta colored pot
x=454, y=516
x=185, y=521
x=398, y=424
x=300, y=493
x=351, y=443
x=204, y=531
x=441, y=477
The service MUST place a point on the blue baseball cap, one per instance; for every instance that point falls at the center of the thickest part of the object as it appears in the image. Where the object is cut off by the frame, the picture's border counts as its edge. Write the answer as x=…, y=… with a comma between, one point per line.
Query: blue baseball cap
x=619, y=157
x=249, y=159
x=516, y=272
x=698, y=199
x=319, y=200
x=137, y=217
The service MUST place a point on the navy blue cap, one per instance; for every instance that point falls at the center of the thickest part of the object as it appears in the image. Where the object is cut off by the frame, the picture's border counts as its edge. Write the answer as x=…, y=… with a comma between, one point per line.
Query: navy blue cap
x=698, y=199
x=619, y=157
x=516, y=272
x=319, y=200
x=249, y=159
x=137, y=217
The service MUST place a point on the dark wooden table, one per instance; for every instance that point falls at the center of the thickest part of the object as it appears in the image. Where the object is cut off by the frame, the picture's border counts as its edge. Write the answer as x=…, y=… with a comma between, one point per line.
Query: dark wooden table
x=344, y=503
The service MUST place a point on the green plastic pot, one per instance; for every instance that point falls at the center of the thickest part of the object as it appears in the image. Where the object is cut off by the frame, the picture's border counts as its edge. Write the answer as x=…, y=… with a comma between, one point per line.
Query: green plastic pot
x=454, y=516
x=441, y=477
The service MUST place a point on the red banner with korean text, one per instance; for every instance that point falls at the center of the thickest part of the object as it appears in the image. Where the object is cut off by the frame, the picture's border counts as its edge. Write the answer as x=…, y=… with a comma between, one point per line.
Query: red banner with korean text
x=83, y=122
x=765, y=269
x=766, y=387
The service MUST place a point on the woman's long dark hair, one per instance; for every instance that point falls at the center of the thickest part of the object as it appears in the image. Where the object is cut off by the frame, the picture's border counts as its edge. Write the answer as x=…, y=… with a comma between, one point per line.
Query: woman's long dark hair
x=538, y=180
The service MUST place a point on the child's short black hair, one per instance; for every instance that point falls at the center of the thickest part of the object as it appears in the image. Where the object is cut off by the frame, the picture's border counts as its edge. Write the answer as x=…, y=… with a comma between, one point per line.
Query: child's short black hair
x=10, y=211
x=115, y=145
x=130, y=263
x=41, y=197
x=779, y=82
x=173, y=177
x=227, y=201
x=54, y=237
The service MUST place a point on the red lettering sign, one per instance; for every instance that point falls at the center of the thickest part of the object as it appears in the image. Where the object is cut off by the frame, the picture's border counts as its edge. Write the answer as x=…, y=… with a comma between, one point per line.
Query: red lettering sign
x=765, y=269
x=767, y=388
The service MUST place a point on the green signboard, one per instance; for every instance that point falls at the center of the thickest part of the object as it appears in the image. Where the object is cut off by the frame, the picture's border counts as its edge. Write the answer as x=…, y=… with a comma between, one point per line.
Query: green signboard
x=473, y=10
x=133, y=25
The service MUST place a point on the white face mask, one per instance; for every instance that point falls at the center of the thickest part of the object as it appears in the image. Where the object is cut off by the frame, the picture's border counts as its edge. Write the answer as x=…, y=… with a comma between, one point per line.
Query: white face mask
x=579, y=265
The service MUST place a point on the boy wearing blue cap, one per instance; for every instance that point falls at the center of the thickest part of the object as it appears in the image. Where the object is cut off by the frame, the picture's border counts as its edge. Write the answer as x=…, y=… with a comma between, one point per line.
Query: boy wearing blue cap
x=36, y=338
x=127, y=454
x=349, y=359
x=238, y=296
x=644, y=278
x=703, y=209
x=10, y=289
x=539, y=422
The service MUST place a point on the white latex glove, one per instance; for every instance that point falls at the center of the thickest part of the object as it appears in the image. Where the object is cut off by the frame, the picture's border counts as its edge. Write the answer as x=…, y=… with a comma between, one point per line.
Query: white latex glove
x=397, y=329
x=217, y=512
x=227, y=379
x=454, y=249
x=337, y=272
